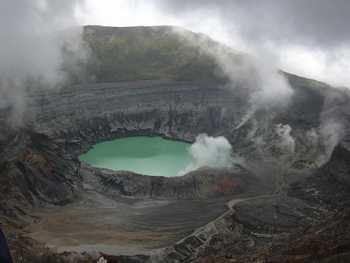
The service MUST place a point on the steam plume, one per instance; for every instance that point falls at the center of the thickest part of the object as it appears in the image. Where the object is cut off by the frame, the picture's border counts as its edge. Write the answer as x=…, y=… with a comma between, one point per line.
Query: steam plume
x=286, y=141
x=207, y=151
x=269, y=89
x=331, y=133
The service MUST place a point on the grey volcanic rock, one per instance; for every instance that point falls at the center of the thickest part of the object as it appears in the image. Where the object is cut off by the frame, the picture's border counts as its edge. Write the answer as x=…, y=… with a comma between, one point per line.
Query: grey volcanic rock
x=35, y=170
x=329, y=185
x=159, y=107
x=203, y=183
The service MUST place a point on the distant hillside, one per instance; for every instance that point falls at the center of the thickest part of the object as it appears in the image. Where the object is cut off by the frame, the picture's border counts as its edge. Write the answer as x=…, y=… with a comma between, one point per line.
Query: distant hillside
x=140, y=53
x=157, y=53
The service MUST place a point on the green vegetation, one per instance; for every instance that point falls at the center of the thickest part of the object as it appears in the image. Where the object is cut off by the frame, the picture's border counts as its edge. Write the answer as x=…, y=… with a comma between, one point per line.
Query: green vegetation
x=140, y=53
x=153, y=53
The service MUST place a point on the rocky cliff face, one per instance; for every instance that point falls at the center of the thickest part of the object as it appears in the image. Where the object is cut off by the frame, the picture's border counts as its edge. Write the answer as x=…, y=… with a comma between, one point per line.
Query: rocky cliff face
x=35, y=170
x=146, y=81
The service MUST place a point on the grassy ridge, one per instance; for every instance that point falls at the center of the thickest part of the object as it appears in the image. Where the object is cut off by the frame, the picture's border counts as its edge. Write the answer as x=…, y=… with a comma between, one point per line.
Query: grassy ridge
x=139, y=53
x=156, y=53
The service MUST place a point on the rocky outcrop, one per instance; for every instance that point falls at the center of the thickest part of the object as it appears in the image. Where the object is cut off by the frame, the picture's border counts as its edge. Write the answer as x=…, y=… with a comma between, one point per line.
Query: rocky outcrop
x=35, y=170
x=328, y=186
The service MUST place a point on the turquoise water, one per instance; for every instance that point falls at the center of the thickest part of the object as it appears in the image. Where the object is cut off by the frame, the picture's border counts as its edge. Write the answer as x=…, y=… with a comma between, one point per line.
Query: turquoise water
x=144, y=155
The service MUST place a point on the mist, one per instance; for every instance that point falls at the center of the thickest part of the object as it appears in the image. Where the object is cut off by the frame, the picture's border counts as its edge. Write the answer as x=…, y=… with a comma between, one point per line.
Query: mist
x=32, y=35
x=264, y=85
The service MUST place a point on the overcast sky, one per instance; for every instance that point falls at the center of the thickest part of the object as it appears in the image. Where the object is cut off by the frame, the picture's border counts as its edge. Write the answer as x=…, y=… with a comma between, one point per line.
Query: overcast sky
x=306, y=37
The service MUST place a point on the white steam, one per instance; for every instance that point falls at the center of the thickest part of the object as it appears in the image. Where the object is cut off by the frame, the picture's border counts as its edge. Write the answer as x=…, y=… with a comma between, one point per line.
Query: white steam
x=268, y=88
x=312, y=138
x=331, y=133
x=207, y=151
x=286, y=142
x=32, y=34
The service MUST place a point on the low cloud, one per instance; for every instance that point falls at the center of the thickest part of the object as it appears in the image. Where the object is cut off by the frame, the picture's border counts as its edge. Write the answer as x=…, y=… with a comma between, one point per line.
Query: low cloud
x=319, y=23
x=310, y=38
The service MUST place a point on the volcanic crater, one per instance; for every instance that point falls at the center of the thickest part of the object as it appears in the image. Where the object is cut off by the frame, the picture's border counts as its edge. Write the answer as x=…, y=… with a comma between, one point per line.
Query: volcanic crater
x=56, y=208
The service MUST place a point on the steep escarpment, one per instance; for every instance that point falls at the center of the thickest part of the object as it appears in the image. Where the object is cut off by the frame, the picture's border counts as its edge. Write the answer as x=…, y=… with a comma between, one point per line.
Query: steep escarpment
x=203, y=183
x=181, y=109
